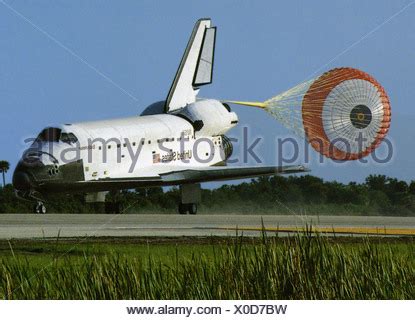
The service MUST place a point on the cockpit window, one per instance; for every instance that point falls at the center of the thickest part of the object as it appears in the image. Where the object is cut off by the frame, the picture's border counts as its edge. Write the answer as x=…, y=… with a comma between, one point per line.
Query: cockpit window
x=49, y=134
x=68, y=137
x=55, y=135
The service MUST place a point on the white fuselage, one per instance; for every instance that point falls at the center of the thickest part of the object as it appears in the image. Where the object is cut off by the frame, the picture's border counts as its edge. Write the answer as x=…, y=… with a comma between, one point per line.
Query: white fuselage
x=144, y=146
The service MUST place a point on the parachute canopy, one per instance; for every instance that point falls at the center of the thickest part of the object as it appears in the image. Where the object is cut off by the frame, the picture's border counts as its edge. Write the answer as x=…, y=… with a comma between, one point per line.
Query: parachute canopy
x=344, y=114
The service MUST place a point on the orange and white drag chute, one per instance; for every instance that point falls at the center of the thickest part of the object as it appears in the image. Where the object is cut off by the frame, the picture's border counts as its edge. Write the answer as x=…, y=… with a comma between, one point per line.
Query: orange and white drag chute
x=344, y=113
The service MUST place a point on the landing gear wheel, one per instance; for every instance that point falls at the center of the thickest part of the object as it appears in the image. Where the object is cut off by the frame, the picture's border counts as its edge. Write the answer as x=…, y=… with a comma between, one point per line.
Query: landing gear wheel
x=182, y=208
x=192, y=207
x=113, y=207
x=185, y=208
x=39, y=208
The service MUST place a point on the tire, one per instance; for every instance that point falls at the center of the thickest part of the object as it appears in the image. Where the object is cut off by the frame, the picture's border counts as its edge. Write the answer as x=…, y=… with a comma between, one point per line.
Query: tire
x=192, y=208
x=112, y=207
x=39, y=208
x=183, y=208
x=42, y=209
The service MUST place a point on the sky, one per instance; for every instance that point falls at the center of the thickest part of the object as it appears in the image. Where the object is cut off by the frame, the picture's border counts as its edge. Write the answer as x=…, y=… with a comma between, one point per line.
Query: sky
x=72, y=61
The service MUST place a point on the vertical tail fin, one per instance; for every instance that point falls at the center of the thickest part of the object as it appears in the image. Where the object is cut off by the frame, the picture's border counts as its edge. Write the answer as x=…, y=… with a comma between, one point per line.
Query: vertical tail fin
x=196, y=66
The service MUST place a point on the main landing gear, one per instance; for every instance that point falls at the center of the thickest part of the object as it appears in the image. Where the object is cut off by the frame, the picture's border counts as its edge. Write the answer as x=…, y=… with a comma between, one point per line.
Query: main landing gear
x=39, y=207
x=190, y=197
x=185, y=208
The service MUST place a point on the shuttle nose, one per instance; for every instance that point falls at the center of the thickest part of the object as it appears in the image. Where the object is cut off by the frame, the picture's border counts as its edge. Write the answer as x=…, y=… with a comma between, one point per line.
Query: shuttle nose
x=21, y=180
x=23, y=176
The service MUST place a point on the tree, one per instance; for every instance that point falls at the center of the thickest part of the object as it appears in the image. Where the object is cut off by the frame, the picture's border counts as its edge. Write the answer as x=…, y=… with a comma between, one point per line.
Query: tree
x=412, y=187
x=4, y=167
x=376, y=182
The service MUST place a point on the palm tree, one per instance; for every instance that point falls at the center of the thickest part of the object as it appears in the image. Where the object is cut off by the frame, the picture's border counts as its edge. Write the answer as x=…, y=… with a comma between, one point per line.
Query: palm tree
x=4, y=167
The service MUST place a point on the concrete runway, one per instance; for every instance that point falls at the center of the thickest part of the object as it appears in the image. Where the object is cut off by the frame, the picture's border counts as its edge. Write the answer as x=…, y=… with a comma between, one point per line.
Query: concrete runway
x=172, y=225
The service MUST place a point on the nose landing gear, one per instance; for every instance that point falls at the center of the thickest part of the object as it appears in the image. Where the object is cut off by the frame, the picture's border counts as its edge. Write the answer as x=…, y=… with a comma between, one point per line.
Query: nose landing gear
x=39, y=207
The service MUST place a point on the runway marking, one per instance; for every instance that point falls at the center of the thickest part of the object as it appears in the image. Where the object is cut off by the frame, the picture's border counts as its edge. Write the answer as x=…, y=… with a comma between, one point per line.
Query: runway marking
x=325, y=230
x=330, y=230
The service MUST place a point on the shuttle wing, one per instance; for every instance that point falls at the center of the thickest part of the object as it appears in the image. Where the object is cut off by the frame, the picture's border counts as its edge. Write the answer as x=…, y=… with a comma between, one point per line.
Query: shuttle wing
x=196, y=66
x=175, y=177
x=191, y=175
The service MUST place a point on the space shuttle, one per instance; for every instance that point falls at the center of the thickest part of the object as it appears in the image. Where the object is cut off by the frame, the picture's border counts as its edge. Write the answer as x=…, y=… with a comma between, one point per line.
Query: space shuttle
x=180, y=141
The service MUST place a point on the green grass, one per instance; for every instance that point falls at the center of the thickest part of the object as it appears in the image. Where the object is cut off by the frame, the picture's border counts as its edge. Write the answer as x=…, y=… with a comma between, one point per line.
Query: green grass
x=300, y=267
